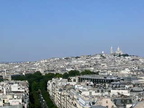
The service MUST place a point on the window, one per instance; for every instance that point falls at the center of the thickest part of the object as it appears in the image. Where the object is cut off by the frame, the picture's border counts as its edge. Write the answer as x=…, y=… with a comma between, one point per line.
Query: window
x=102, y=91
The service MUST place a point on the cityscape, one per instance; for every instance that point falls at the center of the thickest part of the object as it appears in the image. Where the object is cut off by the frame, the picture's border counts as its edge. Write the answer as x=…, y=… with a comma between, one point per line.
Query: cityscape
x=114, y=80
x=71, y=54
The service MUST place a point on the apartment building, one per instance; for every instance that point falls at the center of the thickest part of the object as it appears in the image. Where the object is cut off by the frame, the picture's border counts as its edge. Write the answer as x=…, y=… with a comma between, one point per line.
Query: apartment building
x=76, y=95
x=14, y=93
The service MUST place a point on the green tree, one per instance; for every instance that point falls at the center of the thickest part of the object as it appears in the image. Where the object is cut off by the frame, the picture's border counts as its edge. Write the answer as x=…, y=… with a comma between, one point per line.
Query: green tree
x=65, y=75
x=73, y=73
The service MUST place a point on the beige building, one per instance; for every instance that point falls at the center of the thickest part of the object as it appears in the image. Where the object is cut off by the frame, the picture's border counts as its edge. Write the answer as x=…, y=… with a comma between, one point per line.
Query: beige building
x=106, y=102
x=139, y=105
x=75, y=95
x=14, y=93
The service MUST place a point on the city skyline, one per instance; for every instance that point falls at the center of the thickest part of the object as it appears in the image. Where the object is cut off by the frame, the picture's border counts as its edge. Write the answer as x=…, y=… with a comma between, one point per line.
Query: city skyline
x=35, y=30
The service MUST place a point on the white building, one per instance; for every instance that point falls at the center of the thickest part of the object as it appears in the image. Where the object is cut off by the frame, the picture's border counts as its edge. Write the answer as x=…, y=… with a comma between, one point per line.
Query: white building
x=14, y=93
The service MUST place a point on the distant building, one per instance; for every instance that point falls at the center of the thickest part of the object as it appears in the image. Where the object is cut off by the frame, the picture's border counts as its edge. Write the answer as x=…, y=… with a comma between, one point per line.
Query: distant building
x=117, y=52
x=98, y=79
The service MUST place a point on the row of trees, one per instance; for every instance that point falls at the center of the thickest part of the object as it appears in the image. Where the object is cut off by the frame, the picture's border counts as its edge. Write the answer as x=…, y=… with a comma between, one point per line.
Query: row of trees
x=38, y=82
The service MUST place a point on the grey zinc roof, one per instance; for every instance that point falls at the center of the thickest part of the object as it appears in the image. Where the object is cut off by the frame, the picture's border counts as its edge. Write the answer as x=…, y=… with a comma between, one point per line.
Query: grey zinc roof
x=14, y=106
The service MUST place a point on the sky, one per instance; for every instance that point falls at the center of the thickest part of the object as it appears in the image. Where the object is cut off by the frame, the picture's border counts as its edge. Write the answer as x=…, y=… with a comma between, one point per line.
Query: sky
x=32, y=30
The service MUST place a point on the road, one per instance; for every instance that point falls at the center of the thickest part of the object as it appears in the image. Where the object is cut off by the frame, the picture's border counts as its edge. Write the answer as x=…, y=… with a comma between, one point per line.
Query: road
x=43, y=102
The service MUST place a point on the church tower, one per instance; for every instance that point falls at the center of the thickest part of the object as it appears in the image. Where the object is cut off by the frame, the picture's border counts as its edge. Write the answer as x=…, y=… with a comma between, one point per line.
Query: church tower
x=119, y=51
x=111, y=50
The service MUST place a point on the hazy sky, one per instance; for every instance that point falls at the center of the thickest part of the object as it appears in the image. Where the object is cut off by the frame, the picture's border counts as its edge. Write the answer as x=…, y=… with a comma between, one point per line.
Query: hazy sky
x=39, y=29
